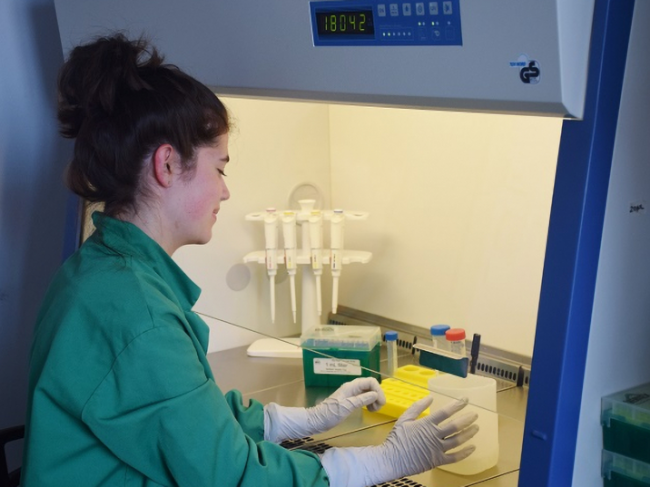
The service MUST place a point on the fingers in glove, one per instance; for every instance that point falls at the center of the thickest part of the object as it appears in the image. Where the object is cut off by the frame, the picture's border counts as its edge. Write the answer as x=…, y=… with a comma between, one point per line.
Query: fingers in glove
x=415, y=410
x=450, y=409
x=359, y=387
x=370, y=399
x=379, y=402
x=371, y=384
x=455, y=441
x=457, y=456
x=454, y=426
x=355, y=402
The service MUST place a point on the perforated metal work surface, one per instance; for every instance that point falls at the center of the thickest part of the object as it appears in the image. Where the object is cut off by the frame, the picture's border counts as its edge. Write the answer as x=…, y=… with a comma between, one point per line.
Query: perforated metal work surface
x=305, y=444
x=403, y=482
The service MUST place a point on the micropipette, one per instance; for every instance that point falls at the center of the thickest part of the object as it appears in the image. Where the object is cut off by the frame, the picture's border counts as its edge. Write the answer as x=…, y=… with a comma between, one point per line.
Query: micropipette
x=289, y=236
x=316, y=240
x=336, y=261
x=271, y=238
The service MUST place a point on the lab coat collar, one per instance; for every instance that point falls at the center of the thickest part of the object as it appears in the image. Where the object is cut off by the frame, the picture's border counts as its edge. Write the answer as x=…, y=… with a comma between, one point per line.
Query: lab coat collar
x=127, y=239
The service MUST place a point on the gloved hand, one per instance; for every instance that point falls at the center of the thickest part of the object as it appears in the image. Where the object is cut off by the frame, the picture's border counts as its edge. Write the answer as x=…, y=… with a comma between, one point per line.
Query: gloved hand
x=283, y=423
x=413, y=446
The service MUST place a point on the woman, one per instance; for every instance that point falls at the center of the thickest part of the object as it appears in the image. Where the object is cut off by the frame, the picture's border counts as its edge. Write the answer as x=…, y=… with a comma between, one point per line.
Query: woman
x=121, y=392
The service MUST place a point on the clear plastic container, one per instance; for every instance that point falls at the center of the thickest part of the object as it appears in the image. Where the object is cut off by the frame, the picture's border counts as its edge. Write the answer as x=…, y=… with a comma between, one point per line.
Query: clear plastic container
x=482, y=395
x=621, y=471
x=438, y=337
x=341, y=337
x=625, y=418
x=456, y=341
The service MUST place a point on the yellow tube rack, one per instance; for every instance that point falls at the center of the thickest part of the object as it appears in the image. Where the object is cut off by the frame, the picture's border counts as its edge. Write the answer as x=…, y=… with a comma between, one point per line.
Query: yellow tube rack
x=409, y=385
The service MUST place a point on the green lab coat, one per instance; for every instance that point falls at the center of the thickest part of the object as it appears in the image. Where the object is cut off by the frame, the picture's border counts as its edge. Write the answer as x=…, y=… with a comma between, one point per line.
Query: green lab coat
x=121, y=392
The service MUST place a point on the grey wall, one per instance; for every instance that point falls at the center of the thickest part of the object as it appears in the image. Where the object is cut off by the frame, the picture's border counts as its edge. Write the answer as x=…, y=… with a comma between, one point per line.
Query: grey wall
x=32, y=195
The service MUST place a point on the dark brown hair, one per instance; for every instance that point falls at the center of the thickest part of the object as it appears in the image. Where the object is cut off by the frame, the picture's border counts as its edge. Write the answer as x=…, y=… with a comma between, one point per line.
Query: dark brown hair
x=120, y=102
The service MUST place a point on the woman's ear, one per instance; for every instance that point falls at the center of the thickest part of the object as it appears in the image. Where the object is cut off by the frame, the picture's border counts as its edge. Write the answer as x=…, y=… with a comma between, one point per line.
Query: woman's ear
x=165, y=160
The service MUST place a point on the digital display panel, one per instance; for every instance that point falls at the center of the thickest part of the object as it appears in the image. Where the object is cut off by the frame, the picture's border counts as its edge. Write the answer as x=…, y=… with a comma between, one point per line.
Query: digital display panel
x=343, y=23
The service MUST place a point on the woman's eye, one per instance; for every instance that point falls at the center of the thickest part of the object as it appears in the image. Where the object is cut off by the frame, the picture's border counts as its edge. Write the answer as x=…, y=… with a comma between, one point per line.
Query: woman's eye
x=221, y=172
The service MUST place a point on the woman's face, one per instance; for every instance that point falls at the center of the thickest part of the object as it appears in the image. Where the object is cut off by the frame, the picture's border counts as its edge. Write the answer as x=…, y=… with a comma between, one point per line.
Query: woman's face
x=200, y=195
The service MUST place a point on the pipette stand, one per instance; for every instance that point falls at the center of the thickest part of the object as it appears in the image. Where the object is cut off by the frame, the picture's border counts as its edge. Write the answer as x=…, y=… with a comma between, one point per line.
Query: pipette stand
x=309, y=318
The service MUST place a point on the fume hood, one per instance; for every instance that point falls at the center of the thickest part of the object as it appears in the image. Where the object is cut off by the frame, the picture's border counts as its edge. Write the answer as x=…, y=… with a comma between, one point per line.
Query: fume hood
x=554, y=58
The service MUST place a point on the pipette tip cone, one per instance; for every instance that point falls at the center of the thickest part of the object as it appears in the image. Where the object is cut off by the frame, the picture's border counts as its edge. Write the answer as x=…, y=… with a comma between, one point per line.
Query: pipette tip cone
x=272, y=286
x=319, y=301
x=335, y=294
x=293, y=296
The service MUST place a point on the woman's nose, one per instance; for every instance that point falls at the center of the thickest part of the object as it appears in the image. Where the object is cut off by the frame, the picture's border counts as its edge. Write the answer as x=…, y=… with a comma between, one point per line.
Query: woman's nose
x=225, y=194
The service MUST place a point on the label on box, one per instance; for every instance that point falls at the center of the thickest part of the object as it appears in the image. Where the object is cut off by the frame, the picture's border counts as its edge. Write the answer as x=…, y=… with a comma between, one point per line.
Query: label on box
x=334, y=366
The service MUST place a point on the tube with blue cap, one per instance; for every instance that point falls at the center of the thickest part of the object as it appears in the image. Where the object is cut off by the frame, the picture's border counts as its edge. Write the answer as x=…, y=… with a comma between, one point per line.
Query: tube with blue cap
x=391, y=345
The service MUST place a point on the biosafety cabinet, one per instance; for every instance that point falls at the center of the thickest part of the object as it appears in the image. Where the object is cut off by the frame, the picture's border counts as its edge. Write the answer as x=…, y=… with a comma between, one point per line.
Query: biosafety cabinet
x=553, y=58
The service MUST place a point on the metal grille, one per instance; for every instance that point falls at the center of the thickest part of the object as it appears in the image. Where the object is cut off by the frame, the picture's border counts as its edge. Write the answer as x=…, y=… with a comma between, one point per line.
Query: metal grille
x=403, y=482
x=291, y=444
x=305, y=444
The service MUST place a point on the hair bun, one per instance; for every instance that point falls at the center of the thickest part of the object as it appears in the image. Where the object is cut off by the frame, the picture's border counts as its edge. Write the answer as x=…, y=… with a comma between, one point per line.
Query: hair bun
x=96, y=73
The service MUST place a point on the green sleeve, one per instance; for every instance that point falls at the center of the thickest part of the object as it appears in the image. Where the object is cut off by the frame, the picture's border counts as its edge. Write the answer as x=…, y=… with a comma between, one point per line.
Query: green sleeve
x=158, y=412
x=250, y=418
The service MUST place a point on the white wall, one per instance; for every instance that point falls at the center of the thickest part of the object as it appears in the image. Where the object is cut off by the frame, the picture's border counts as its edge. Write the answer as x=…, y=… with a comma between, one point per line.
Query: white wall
x=618, y=356
x=274, y=147
x=32, y=195
x=459, y=216
x=459, y=209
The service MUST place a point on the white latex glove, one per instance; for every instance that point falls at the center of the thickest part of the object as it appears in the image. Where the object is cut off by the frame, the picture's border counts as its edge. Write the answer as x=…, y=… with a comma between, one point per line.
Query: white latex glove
x=413, y=446
x=283, y=423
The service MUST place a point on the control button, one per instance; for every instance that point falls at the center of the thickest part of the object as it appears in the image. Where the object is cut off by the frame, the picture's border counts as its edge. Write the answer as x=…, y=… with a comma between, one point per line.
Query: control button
x=394, y=10
x=433, y=8
x=447, y=8
x=381, y=10
x=406, y=9
x=436, y=34
x=419, y=8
